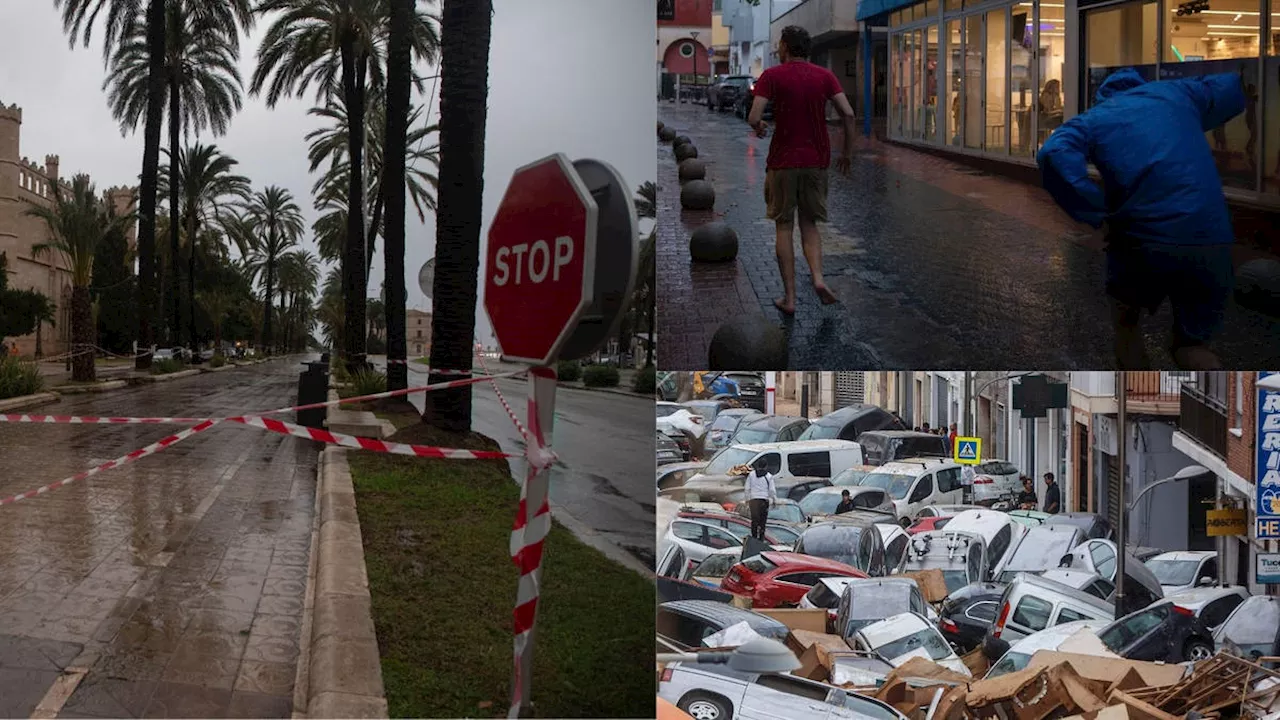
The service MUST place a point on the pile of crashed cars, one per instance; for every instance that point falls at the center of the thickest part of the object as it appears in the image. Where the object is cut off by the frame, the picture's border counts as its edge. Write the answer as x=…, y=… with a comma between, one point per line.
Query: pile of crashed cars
x=945, y=610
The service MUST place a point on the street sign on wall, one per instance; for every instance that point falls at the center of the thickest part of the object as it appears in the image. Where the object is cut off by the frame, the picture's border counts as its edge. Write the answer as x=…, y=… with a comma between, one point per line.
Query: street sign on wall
x=1268, y=569
x=1226, y=522
x=1267, y=462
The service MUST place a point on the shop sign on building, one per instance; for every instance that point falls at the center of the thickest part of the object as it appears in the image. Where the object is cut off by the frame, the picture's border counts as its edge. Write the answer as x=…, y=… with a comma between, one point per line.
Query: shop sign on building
x=1267, y=462
x=1268, y=569
x=1226, y=522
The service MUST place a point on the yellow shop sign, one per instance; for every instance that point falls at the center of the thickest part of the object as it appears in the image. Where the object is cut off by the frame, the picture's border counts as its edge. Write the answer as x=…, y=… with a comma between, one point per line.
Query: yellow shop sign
x=1226, y=522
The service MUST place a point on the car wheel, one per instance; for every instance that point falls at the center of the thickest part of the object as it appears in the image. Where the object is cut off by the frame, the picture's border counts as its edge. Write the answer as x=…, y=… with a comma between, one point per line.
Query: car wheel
x=705, y=706
x=1196, y=650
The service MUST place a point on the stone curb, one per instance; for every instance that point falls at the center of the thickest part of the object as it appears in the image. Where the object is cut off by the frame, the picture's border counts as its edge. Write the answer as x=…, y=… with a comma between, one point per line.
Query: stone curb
x=344, y=671
x=28, y=401
x=224, y=368
x=97, y=387
x=612, y=390
x=168, y=377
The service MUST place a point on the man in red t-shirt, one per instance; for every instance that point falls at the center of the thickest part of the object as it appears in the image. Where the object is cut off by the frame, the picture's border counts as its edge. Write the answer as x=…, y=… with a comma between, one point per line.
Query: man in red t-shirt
x=799, y=154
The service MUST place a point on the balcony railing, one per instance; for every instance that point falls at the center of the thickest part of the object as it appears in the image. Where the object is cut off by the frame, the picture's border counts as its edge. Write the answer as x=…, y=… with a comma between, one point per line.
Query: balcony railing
x=1204, y=419
x=1153, y=392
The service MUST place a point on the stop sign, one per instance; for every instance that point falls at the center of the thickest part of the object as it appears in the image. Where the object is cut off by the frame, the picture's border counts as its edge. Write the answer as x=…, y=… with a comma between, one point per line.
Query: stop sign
x=540, y=260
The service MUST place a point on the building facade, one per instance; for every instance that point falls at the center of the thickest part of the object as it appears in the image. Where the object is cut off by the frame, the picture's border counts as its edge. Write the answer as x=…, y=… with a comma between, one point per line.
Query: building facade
x=684, y=43
x=24, y=183
x=417, y=333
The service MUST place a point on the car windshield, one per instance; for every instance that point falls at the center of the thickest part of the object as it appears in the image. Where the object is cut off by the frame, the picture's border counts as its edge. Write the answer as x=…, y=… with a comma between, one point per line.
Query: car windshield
x=927, y=639
x=819, y=503
x=726, y=459
x=716, y=565
x=849, y=476
x=821, y=432
x=752, y=436
x=1011, y=662
x=758, y=564
x=1251, y=628
x=786, y=512
x=878, y=601
x=895, y=484
x=1174, y=572
x=834, y=543
x=726, y=422
x=665, y=410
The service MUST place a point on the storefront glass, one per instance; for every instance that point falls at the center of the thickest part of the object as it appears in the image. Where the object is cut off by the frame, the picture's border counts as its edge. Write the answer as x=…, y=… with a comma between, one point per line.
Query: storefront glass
x=973, y=55
x=955, y=80
x=1271, y=110
x=1053, y=60
x=1118, y=37
x=997, y=37
x=930, y=69
x=1022, y=93
x=912, y=52
x=896, y=77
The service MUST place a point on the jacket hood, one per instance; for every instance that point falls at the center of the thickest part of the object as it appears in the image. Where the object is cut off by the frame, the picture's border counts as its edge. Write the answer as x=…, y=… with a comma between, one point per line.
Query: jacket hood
x=1118, y=82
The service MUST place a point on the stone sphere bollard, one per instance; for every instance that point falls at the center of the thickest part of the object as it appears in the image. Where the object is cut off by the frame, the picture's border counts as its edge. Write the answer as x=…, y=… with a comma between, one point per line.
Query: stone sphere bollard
x=666, y=134
x=697, y=195
x=692, y=169
x=749, y=342
x=684, y=152
x=681, y=140
x=713, y=242
x=1258, y=286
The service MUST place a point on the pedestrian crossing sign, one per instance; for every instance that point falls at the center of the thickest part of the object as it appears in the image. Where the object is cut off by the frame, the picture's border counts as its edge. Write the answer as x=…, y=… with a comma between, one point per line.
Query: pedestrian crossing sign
x=968, y=450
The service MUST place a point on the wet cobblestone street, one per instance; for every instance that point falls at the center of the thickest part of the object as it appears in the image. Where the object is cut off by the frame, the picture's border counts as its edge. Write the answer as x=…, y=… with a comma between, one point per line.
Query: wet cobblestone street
x=936, y=265
x=177, y=581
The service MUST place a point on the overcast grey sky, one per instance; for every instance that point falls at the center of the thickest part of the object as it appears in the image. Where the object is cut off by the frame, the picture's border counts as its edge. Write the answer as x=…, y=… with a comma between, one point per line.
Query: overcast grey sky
x=571, y=76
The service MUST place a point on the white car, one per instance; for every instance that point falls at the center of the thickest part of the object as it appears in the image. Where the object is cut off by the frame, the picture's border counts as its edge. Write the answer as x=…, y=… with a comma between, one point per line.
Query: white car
x=1182, y=570
x=896, y=542
x=715, y=566
x=165, y=354
x=995, y=480
x=899, y=638
x=914, y=483
x=1051, y=638
x=999, y=531
x=1211, y=604
x=699, y=539
x=822, y=502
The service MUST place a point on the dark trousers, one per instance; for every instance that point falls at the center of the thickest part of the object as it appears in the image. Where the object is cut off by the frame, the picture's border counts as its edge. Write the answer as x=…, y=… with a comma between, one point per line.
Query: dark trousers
x=759, y=518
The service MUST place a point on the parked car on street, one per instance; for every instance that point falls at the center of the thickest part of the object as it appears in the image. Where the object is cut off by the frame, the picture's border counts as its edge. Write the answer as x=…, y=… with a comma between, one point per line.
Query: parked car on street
x=1163, y=632
x=960, y=556
x=901, y=637
x=725, y=93
x=751, y=391
x=774, y=579
x=666, y=449
x=848, y=423
x=998, y=532
x=1182, y=570
x=851, y=539
x=1094, y=527
x=825, y=595
x=822, y=502
x=995, y=480
x=968, y=612
x=733, y=522
x=870, y=600
x=699, y=539
x=1099, y=556
x=886, y=446
x=928, y=524
x=686, y=623
x=1030, y=518
x=674, y=475
x=1019, y=655
x=796, y=489
x=770, y=429
x=896, y=543
x=1253, y=630
x=1032, y=603
x=681, y=425
x=1213, y=605
x=916, y=482
x=1041, y=548
x=783, y=510
x=852, y=476
x=800, y=458
x=743, y=107
x=721, y=431
x=717, y=692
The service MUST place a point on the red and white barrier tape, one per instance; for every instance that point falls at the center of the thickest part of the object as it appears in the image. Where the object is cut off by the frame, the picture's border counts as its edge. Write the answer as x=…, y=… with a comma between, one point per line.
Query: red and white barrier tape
x=151, y=449
x=505, y=405
x=361, y=443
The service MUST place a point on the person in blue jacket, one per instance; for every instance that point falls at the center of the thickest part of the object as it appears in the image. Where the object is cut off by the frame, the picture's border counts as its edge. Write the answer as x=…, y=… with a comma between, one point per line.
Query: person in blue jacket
x=1169, y=232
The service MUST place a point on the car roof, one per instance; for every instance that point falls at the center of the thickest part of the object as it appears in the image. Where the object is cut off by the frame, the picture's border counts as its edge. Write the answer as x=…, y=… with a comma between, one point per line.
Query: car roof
x=1196, y=598
x=833, y=490
x=893, y=627
x=801, y=445
x=1077, y=579
x=900, y=433
x=1185, y=555
x=787, y=561
x=1049, y=585
x=975, y=518
x=912, y=466
x=740, y=411
x=774, y=422
x=671, y=467
x=723, y=613
x=845, y=414
x=702, y=403
x=794, y=480
x=861, y=518
x=1052, y=637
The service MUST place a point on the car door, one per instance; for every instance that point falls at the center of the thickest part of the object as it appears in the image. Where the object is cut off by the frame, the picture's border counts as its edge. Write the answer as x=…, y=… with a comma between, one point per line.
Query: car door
x=921, y=494
x=1209, y=569
x=719, y=539
x=896, y=552
x=1215, y=613
x=783, y=697
x=950, y=491
x=1140, y=636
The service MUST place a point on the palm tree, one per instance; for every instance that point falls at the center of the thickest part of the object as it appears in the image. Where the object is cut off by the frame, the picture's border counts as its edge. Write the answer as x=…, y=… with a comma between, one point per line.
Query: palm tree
x=392, y=192
x=202, y=86
x=299, y=275
x=465, y=28
x=78, y=19
x=335, y=44
x=217, y=302
x=278, y=226
x=207, y=186
x=646, y=288
x=77, y=224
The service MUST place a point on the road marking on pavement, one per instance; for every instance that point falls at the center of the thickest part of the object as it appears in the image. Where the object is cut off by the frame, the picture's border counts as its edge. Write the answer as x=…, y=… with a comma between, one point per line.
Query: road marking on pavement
x=59, y=693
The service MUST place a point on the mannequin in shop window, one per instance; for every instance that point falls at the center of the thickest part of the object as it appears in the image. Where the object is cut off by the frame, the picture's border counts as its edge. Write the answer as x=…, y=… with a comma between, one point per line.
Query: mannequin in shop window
x=1050, y=108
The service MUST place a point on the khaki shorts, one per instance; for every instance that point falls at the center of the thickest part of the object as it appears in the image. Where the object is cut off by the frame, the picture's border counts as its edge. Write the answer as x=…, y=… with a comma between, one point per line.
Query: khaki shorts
x=790, y=189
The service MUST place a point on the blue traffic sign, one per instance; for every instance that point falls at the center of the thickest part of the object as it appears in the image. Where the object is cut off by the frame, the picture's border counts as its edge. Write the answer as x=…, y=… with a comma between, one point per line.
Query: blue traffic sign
x=968, y=450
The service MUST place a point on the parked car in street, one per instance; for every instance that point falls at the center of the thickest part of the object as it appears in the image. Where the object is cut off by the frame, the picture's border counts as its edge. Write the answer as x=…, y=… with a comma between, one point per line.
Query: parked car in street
x=961, y=557
x=716, y=692
x=681, y=425
x=870, y=600
x=901, y=637
x=770, y=429
x=928, y=524
x=800, y=458
x=751, y=391
x=675, y=474
x=774, y=579
x=994, y=481
x=848, y=423
x=721, y=431
x=727, y=494
x=944, y=510
x=666, y=449
x=1041, y=548
x=1030, y=518
x=998, y=532
x=1018, y=657
x=1032, y=603
x=852, y=476
x=1099, y=556
x=725, y=93
x=916, y=482
x=825, y=595
x=783, y=510
x=1094, y=527
x=684, y=624
x=886, y=446
x=822, y=502
x=1213, y=605
x=737, y=524
x=743, y=107
x=1253, y=630
x=968, y=612
x=851, y=539
x=1182, y=570
x=699, y=539
x=796, y=489
x=896, y=543
x=1163, y=632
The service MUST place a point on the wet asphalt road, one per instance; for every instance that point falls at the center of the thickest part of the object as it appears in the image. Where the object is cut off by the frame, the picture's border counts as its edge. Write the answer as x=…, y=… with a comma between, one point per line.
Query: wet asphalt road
x=936, y=265
x=176, y=581
x=605, y=444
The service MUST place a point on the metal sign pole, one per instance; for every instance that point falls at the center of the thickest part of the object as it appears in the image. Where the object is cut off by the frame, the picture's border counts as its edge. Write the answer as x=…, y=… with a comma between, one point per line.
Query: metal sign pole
x=1121, y=444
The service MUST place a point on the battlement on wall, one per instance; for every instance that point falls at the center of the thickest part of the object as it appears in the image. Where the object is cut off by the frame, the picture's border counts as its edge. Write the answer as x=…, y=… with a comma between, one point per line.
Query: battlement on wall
x=10, y=112
x=36, y=169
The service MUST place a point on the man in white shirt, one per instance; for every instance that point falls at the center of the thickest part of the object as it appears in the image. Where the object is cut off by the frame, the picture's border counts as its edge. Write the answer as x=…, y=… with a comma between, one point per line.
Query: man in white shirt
x=761, y=492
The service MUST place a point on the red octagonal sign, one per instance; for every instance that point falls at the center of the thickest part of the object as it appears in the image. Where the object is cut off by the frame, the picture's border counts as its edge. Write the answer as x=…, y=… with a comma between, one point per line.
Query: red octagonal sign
x=540, y=260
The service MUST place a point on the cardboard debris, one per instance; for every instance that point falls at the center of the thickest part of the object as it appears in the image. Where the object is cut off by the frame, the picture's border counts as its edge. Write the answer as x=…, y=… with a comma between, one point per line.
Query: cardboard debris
x=1113, y=669
x=811, y=620
x=932, y=585
x=799, y=641
x=977, y=662
x=913, y=685
x=1034, y=694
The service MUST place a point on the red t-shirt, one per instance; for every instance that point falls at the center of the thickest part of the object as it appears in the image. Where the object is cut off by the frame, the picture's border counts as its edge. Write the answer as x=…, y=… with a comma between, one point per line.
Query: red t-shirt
x=799, y=91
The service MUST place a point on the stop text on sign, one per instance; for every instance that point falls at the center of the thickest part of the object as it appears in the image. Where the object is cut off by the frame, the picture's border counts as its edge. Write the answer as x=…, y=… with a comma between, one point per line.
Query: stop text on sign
x=539, y=259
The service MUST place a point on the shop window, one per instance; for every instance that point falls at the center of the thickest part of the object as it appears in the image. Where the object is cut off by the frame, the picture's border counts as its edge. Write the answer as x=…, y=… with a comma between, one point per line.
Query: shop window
x=931, y=8
x=1271, y=113
x=1053, y=57
x=973, y=72
x=1119, y=37
x=929, y=51
x=914, y=83
x=1222, y=39
x=951, y=5
x=895, y=19
x=1022, y=95
x=955, y=80
x=912, y=13
x=897, y=76
x=997, y=37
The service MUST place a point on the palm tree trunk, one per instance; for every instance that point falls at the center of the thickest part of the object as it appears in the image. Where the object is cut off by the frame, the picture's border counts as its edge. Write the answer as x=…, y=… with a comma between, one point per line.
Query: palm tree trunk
x=374, y=221
x=284, y=324
x=266, y=306
x=650, y=306
x=148, y=290
x=82, y=369
x=175, y=286
x=191, y=281
x=353, y=256
x=465, y=29
x=399, y=87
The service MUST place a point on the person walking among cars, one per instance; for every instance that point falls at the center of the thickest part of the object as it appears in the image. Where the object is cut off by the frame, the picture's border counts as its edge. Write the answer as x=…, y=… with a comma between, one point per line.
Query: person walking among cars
x=846, y=503
x=1052, y=495
x=761, y=494
x=1027, y=499
x=799, y=154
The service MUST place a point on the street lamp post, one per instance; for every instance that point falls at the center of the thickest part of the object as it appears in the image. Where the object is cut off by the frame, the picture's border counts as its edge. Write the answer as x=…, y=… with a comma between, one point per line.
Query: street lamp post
x=694, y=34
x=1122, y=393
x=760, y=656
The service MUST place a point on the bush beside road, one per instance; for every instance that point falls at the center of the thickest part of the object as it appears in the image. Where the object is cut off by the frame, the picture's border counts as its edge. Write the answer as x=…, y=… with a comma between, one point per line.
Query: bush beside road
x=436, y=538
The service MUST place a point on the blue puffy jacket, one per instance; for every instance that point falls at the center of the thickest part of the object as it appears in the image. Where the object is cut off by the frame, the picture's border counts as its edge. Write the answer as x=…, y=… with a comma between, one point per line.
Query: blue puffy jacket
x=1160, y=183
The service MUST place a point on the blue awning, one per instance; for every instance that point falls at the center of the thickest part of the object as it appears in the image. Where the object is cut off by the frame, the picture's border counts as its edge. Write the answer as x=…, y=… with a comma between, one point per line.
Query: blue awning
x=873, y=10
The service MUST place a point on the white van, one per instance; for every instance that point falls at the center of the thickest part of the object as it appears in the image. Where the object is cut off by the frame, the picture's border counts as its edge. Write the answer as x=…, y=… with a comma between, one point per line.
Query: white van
x=997, y=529
x=914, y=483
x=798, y=458
x=1032, y=603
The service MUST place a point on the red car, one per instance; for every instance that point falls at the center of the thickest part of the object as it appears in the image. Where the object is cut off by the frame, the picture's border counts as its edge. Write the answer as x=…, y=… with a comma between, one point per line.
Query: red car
x=929, y=523
x=735, y=524
x=774, y=579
